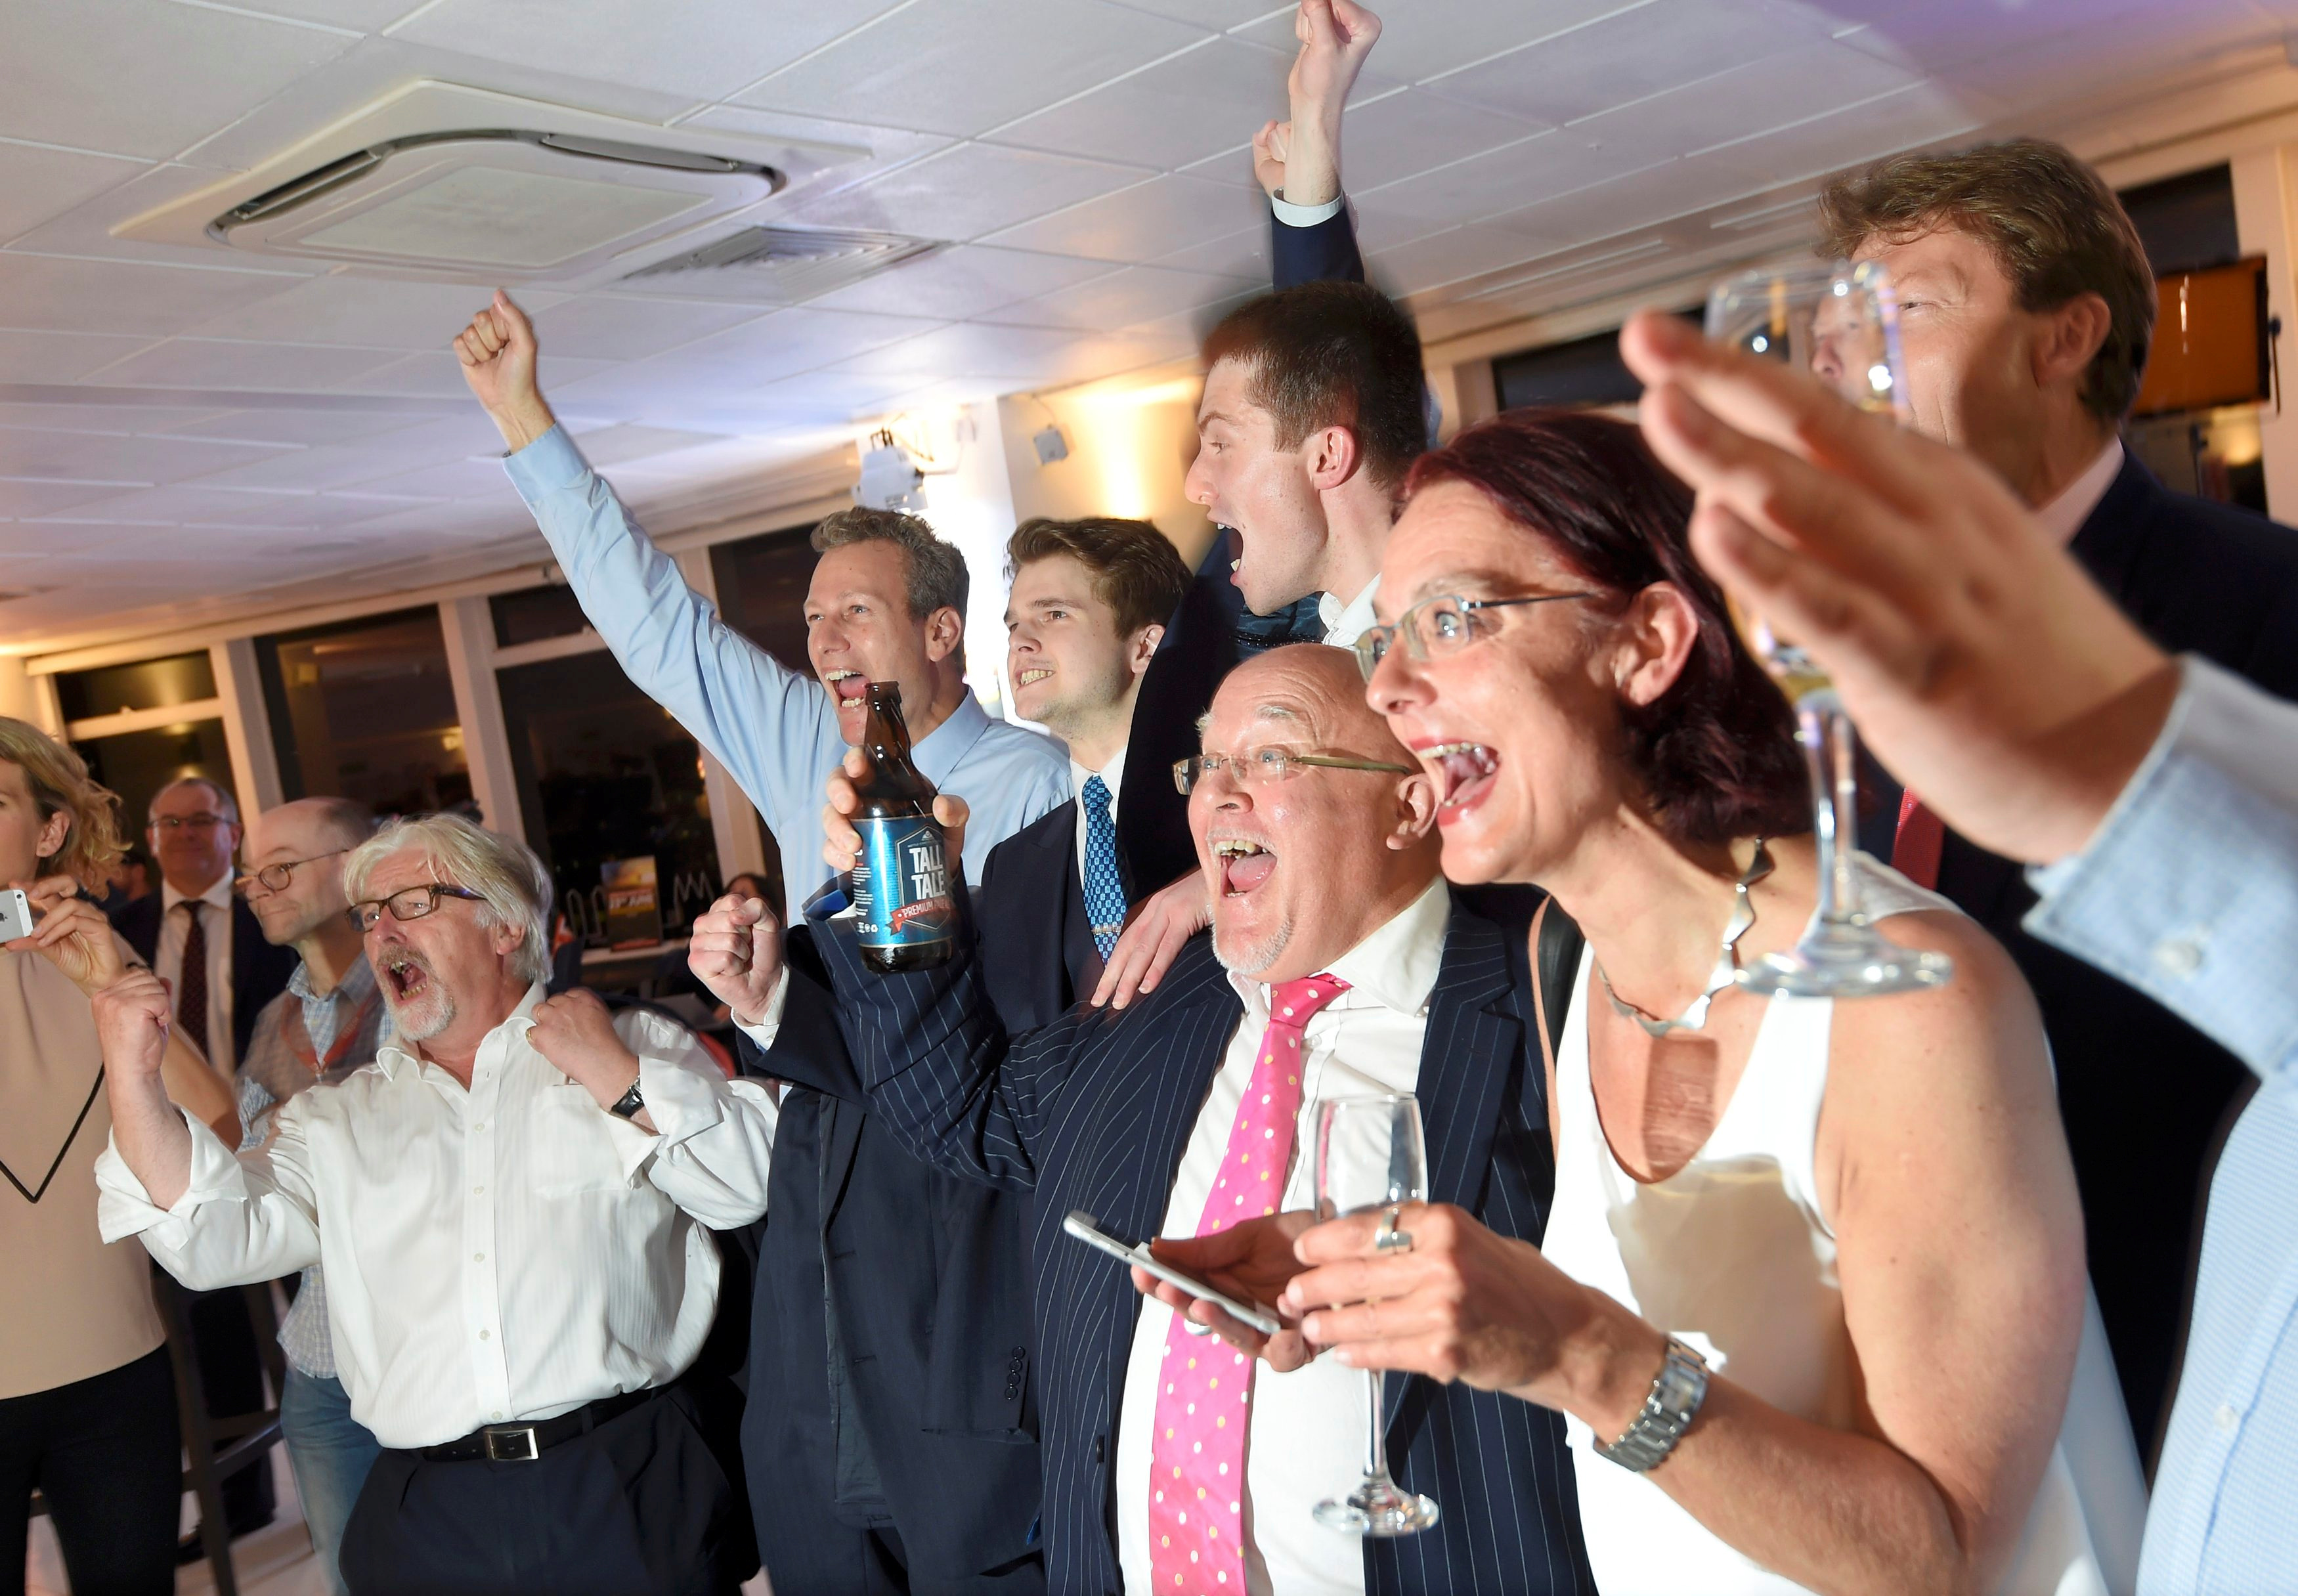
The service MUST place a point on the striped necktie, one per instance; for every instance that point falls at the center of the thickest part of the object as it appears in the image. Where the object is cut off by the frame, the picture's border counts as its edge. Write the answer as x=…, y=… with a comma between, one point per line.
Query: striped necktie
x=1104, y=888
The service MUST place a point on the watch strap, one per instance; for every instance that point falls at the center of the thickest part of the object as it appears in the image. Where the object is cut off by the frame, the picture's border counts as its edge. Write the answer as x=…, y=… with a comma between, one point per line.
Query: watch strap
x=1674, y=1401
x=627, y=1105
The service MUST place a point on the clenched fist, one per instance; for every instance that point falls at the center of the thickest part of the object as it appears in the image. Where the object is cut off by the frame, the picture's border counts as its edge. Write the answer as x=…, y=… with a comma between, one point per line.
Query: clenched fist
x=576, y=1033
x=498, y=351
x=736, y=950
x=132, y=1020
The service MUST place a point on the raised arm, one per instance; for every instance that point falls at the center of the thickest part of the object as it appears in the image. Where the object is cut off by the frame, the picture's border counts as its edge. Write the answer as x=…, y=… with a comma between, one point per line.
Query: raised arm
x=1311, y=238
x=210, y=1218
x=767, y=724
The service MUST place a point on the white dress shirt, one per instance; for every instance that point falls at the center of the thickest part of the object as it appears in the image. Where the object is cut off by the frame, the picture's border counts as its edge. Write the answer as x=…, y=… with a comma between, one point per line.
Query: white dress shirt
x=1113, y=776
x=168, y=963
x=2063, y=517
x=1307, y=1441
x=1346, y=623
x=505, y=1252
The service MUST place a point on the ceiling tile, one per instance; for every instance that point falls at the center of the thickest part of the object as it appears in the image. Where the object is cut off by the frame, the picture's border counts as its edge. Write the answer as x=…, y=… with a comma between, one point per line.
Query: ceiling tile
x=1504, y=179
x=89, y=456
x=1152, y=219
x=965, y=66
x=1423, y=39
x=114, y=296
x=1629, y=55
x=18, y=539
x=36, y=184
x=1669, y=189
x=438, y=375
x=143, y=76
x=191, y=505
x=1215, y=13
x=2069, y=67
x=1402, y=134
x=961, y=281
x=1135, y=294
x=311, y=470
x=453, y=479
x=22, y=498
x=968, y=348
x=34, y=357
x=963, y=193
x=1784, y=89
x=1442, y=258
x=233, y=363
x=614, y=445
x=121, y=418
x=609, y=326
x=703, y=48
x=1922, y=114
x=298, y=425
x=1942, y=33
x=1204, y=100
x=372, y=312
x=367, y=16
x=1242, y=255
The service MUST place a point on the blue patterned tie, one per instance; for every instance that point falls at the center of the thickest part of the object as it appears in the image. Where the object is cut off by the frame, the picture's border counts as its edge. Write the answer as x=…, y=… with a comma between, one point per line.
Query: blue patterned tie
x=1104, y=889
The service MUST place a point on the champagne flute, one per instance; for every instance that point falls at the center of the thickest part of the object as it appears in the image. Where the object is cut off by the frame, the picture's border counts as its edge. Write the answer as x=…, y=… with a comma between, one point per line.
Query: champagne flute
x=1841, y=323
x=1370, y=1155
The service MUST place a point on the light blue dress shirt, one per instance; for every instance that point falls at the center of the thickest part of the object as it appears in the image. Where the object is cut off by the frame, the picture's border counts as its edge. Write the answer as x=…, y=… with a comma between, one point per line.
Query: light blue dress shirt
x=773, y=729
x=2189, y=893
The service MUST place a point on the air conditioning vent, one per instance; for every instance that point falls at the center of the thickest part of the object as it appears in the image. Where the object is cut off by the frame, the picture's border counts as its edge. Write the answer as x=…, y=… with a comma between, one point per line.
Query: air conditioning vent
x=779, y=265
x=446, y=183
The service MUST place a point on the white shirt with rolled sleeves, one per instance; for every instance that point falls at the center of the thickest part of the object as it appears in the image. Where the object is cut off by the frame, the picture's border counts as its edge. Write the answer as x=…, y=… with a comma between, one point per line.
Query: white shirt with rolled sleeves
x=503, y=1254
x=774, y=731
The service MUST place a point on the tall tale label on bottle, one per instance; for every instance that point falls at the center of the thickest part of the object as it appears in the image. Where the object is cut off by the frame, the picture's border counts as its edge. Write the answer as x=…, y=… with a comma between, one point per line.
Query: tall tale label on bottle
x=901, y=881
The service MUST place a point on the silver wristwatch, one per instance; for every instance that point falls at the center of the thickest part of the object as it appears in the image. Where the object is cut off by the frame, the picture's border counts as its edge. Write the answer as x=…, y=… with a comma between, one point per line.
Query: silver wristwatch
x=1676, y=1393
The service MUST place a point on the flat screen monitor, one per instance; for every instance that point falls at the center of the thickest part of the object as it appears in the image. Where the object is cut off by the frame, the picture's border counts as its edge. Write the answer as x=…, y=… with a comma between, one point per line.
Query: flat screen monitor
x=2210, y=340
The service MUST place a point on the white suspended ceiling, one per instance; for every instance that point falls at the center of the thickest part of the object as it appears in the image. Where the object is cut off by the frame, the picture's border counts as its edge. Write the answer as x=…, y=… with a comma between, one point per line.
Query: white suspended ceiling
x=186, y=423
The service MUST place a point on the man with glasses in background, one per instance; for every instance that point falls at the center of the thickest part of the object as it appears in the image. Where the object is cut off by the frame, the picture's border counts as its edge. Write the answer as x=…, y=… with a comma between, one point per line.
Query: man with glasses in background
x=326, y=1024
x=510, y=1205
x=219, y=970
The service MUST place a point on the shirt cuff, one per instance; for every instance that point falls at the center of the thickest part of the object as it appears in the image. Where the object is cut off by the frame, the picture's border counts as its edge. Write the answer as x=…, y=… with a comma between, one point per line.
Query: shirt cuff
x=2184, y=893
x=770, y=1024
x=124, y=1208
x=1305, y=216
x=551, y=463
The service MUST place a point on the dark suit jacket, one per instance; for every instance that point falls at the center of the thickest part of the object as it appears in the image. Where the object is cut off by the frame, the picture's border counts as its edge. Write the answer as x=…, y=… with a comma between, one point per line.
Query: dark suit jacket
x=2143, y=1096
x=259, y=970
x=1092, y=1112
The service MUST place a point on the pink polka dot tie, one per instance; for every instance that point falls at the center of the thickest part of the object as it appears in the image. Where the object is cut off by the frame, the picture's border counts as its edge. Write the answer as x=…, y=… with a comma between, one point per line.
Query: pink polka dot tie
x=1197, y=1451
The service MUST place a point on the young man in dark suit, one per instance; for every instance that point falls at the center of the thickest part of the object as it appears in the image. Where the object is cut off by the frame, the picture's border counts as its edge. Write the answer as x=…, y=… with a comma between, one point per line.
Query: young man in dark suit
x=208, y=945
x=2026, y=311
x=1318, y=829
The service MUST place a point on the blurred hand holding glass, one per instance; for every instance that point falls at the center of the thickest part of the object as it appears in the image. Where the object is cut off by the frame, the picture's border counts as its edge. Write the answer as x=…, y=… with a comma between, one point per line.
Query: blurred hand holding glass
x=1841, y=324
x=1370, y=1155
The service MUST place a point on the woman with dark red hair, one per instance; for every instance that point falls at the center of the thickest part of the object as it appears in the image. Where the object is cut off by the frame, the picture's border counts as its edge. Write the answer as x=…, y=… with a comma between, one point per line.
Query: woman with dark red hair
x=1812, y=1288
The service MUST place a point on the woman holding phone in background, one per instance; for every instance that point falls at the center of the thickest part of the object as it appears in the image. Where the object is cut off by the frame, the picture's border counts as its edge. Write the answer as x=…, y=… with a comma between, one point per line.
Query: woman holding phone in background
x=87, y=1406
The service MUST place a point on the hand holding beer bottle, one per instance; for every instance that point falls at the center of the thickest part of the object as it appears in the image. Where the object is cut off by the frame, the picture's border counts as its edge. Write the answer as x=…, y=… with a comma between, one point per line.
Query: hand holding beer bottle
x=885, y=824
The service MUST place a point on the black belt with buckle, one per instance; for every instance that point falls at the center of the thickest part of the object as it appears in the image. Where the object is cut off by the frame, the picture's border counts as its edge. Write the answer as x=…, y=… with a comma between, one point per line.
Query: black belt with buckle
x=525, y=1442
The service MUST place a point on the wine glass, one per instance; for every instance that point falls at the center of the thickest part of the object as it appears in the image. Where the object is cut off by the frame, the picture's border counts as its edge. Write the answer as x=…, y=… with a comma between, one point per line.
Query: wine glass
x=1370, y=1155
x=1841, y=324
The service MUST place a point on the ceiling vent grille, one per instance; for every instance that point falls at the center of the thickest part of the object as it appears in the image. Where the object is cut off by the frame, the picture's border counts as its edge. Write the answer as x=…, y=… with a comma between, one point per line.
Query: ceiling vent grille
x=780, y=265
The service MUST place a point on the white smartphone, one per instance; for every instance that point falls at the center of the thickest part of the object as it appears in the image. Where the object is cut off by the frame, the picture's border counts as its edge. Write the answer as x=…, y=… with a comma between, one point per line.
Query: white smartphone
x=15, y=914
x=1087, y=1229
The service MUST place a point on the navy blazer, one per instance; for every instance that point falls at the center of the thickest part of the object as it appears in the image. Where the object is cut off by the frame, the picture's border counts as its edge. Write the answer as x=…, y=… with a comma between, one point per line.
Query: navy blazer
x=259, y=970
x=1092, y=1112
x=2144, y=1097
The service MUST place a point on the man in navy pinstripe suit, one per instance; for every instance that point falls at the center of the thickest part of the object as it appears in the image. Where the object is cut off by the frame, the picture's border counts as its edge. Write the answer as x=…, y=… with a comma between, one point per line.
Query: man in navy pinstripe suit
x=1315, y=830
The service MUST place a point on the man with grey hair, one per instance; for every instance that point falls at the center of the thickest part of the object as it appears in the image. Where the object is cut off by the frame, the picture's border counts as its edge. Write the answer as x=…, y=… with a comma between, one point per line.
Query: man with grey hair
x=887, y=603
x=510, y=1206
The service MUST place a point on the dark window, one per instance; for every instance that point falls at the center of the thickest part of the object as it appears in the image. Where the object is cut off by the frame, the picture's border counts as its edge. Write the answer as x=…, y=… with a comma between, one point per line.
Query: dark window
x=762, y=585
x=604, y=774
x=136, y=764
x=366, y=710
x=2185, y=221
x=1583, y=372
x=147, y=684
x=533, y=614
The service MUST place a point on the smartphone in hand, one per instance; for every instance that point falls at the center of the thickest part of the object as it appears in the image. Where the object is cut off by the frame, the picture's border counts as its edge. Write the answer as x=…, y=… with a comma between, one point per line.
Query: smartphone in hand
x=15, y=914
x=1087, y=1229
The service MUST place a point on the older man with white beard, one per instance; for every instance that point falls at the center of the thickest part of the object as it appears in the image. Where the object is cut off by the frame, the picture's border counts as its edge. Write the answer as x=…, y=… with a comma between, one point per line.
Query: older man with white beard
x=508, y=1204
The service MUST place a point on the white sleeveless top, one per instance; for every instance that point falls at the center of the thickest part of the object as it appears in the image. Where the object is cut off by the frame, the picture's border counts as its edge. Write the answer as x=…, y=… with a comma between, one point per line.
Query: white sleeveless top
x=1731, y=1255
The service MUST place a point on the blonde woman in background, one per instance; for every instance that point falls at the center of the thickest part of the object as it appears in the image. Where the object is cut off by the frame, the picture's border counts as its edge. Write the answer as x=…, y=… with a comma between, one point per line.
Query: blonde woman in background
x=87, y=1407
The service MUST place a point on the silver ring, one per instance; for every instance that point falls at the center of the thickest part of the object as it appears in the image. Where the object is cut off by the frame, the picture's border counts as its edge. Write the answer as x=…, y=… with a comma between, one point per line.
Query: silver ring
x=1388, y=1238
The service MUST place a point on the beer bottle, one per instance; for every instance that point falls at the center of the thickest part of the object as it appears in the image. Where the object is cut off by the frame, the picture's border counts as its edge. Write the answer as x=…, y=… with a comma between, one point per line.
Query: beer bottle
x=901, y=879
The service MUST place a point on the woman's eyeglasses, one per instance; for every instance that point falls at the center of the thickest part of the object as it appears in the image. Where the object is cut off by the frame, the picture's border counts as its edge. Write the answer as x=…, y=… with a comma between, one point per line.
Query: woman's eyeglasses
x=1436, y=627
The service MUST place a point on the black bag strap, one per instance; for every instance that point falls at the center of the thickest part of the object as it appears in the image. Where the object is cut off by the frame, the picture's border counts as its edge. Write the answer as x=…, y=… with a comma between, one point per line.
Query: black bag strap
x=1556, y=961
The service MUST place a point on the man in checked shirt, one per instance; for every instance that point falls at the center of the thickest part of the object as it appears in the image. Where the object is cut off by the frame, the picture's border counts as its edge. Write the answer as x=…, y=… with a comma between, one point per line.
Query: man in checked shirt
x=328, y=1023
